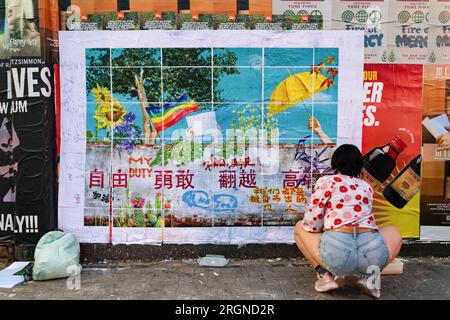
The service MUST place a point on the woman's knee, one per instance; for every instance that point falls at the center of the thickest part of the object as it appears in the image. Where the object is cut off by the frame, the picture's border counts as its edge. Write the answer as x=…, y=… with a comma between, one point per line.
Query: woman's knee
x=393, y=233
x=299, y=231
x=393, y=239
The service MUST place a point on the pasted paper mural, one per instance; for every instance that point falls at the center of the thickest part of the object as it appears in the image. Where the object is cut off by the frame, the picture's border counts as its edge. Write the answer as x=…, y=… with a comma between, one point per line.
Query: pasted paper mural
x=201, y=137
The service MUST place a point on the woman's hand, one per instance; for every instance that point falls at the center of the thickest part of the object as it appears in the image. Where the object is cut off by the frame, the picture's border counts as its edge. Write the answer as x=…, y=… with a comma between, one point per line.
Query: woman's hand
x=314, y=125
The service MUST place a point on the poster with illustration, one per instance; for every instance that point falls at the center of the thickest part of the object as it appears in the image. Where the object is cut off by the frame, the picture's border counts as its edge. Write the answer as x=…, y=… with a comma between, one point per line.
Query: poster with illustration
x=305, y=15
x=408, y=31
x=27, y=156
x=206, y=137
x=435, y=201
x=392, y=143
x=370, y=16
x=439, y=32
x=19, y=29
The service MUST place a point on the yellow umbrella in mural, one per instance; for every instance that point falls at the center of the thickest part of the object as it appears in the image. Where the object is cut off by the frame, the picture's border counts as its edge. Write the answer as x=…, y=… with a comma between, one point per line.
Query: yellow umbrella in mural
x=298, y=87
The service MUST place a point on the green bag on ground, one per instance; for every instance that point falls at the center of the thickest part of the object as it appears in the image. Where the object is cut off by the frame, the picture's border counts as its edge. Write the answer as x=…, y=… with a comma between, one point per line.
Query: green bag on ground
x=57, y=255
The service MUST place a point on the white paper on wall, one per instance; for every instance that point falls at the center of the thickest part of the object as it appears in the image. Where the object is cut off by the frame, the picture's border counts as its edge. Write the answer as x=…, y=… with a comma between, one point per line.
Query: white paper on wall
x=90, y=165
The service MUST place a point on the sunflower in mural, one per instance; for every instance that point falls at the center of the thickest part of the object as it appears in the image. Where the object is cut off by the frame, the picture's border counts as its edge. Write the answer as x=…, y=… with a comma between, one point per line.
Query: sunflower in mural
x=107, y=118
x=101, y=94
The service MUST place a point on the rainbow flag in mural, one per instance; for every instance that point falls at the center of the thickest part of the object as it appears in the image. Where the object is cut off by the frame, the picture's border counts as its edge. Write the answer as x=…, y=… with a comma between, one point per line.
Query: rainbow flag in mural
x=171, y=112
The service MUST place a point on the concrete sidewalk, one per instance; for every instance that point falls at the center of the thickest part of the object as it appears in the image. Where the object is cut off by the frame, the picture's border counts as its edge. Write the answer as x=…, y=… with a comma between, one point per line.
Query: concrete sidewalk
x=423, y=278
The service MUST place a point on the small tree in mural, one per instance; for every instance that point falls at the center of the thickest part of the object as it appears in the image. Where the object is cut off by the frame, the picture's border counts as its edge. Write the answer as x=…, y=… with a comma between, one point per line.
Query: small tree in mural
x=142, y=78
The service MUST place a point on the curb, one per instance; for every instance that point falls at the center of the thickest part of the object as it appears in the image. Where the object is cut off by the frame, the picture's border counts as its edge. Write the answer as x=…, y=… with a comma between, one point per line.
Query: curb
x=121, y=252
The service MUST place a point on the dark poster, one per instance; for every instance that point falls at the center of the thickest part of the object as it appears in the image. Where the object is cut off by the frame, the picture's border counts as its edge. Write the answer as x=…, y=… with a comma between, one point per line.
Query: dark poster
x=27, y=147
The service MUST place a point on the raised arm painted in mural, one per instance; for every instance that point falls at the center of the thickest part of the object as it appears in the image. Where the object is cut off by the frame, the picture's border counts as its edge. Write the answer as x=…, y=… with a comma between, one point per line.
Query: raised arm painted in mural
x=314, y=124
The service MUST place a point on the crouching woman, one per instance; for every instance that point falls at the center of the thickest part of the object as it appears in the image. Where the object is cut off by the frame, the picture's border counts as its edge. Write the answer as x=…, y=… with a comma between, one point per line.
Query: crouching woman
x=338, y=234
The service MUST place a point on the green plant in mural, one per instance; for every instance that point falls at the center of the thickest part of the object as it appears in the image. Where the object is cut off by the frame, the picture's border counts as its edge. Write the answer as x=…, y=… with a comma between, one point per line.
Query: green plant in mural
x=137, y=202
x=180, y=152
x=90, y=136
x=164, y=154
x=159, y=211
x=145, y=84
x=253, y=118
x=122, y=218
x=135, y=214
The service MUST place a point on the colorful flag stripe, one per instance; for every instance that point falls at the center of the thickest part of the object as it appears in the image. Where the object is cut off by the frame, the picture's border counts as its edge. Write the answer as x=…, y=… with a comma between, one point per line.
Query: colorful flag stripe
x=171, y=112
x=168, y=113
x=174, y=118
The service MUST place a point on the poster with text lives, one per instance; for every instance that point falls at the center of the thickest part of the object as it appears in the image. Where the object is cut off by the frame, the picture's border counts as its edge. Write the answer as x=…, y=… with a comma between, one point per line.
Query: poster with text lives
x=206, y=137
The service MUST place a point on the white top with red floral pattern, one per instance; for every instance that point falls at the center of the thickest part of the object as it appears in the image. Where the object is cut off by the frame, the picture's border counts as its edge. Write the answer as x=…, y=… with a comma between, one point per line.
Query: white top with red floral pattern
x=339, y=200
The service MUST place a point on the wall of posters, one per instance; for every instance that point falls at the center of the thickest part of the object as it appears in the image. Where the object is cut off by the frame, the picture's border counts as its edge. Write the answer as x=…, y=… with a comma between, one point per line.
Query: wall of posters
x=435, y=201
x=401, y=38
x=394, y=91
x=208, y=141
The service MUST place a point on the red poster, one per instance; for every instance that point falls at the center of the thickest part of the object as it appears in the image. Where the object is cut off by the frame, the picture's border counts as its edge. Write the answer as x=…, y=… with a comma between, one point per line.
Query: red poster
x=392, y=115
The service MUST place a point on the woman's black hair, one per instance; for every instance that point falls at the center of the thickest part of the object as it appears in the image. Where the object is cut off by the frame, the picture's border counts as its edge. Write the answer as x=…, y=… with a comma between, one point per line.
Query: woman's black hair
x=347, y=160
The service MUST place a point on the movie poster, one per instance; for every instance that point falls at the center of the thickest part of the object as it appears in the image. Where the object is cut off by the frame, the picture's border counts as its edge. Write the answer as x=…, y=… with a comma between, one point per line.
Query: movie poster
x=392, y=106
x=370, y=16
x=218, y=139
x=19, y=30
x=27, y=154
x=408, y=31
x=435, y=201
x=439, y=34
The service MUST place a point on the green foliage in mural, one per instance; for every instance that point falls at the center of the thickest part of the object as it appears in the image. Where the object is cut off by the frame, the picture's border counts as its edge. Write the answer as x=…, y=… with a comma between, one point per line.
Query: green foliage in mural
x=134, y=214
x=127, y=81
x=181, y=152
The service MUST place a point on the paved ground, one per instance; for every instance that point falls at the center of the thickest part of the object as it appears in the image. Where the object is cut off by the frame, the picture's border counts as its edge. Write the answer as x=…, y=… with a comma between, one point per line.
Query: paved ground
x=427, y=278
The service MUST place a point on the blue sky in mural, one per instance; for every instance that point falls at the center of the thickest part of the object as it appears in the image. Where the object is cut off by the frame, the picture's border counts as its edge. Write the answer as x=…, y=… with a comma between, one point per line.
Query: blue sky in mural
x=320, y=55
x=244, y=56
x=246, y=88
x=288, y=57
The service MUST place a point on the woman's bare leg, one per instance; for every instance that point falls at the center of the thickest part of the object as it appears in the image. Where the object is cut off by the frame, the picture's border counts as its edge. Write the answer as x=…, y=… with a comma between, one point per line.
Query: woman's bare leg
x=308, y=243
x=393, y=240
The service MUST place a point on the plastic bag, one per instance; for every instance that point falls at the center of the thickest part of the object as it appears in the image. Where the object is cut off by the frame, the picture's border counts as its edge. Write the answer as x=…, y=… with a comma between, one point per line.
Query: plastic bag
x=57, y=255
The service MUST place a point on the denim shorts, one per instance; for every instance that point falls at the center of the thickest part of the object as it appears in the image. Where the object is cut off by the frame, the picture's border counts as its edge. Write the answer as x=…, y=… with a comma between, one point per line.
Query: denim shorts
x=345, y=253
